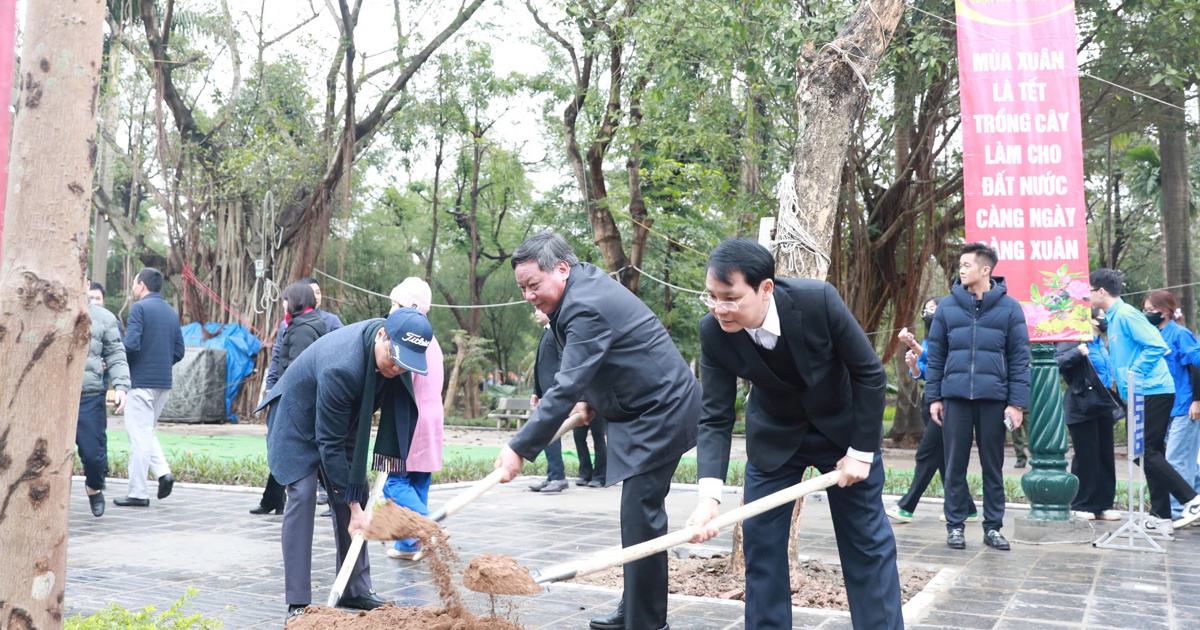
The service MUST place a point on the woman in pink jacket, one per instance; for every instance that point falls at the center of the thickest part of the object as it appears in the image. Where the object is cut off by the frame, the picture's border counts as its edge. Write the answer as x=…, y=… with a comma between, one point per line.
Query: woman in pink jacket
x=411, y=489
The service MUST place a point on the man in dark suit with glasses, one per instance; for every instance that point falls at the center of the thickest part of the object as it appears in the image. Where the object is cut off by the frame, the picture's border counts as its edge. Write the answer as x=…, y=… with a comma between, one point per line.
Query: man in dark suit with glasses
x=816, y=399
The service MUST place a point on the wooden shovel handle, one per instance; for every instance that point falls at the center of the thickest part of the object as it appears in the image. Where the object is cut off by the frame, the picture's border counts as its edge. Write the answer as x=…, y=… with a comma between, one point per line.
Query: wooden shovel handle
x=487, y=483
x=343, y=576
x=607, y=559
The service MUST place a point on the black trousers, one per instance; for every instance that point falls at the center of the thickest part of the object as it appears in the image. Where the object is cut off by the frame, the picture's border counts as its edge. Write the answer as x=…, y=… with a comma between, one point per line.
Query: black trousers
x=1162, y=478
x=1094, y=464
x=92, y=440
x=866, y=545
x=598, y=427
x=274, y=495
x=931, y=458
x=643, y=517
x=981, y=421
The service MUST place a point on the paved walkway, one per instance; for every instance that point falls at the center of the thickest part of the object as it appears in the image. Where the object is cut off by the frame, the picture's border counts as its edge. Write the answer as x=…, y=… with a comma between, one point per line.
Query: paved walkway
x=204, y=538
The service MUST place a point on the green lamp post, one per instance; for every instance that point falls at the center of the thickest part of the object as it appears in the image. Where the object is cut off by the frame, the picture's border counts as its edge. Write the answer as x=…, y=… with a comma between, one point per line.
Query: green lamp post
x=1048, y=486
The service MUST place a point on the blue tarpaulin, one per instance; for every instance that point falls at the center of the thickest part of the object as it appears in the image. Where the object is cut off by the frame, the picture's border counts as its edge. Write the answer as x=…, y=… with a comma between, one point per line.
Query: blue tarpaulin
x=239, y=345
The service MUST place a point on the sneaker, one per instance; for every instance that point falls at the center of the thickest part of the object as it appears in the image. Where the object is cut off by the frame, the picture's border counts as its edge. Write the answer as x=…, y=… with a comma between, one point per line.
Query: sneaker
x=1191, y=513
x=1087, y=516
x=1161, y=526
x=396, y=554
x=554, y=486
x=971, y=518
x=996, y=540
x=1109, y=515
x=896, y=514
x=956, y=540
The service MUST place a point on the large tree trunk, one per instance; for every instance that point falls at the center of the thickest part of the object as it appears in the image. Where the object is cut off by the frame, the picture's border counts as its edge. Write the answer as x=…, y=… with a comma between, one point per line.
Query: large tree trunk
x=45, y=330
x=1177, y=264
x=830, y=95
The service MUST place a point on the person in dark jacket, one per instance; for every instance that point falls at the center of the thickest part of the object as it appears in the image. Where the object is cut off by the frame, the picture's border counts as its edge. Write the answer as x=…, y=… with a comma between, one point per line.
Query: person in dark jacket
x=549, y=356
x=153, y=343
x=931, y=454
x=1091, y=411
x=332, y=323
x=817, y=395
x=618, y=358
x=320, y=422
x=106, y=357
x=977, y=377
x=304, y=326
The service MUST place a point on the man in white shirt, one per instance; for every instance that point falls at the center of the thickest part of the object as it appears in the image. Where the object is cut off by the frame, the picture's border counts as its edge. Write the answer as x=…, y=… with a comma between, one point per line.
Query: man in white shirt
x=817, y=399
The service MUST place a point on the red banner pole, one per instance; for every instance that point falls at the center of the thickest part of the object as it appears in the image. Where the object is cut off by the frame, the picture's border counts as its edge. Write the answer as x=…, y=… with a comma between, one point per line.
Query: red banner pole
x=8, y=54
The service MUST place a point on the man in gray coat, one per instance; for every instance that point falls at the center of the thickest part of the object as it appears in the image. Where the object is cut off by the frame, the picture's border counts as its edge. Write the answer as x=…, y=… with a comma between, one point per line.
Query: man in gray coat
x=619, y=360
x=320, y=423
x=106, y=352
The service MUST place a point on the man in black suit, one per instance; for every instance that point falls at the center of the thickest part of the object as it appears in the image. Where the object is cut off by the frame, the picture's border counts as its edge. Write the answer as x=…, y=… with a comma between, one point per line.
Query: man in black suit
x=817, y=399
x=620, y=360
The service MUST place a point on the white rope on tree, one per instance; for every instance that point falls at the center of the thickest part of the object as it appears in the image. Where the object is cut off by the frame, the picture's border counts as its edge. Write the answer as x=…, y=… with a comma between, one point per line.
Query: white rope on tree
x=793, y=242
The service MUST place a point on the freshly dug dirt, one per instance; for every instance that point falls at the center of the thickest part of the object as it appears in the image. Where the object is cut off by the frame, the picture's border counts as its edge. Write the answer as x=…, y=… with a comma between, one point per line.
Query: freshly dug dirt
x=391, y=617
x=816, y=585
x=392, y=522
x=499, y=575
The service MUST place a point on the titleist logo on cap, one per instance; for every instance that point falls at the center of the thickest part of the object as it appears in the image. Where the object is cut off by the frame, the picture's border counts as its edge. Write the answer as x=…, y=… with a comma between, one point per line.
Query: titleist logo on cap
x=417, y=339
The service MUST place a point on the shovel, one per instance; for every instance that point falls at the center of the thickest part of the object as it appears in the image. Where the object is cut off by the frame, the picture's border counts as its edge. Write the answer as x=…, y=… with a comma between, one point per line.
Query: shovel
x=609, y=558
x=343, y=576
x=487, y=483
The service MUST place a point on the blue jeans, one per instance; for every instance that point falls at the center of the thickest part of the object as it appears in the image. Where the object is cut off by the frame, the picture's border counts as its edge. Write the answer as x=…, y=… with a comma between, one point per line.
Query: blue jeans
x=1183, y=445
x=410, y=490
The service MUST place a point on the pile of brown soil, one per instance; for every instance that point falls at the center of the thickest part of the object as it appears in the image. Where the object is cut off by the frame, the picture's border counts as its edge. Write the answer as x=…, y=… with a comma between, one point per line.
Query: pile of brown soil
x=392, y=522
x=499, y=575
x=391, y=617
x=816, y=585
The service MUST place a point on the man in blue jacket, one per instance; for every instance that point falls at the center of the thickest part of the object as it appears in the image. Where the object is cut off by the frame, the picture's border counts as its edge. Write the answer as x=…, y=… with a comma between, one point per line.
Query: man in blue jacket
x=153, y=343
x=977, y=376
x=1137, y=347
x=320, y=424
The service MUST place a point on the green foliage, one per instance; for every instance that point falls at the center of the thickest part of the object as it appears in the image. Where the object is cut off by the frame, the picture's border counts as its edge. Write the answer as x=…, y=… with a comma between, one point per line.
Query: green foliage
x=115, y=617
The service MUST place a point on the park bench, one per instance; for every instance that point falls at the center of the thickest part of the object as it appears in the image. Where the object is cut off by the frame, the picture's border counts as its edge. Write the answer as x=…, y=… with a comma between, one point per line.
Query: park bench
x=514, y=409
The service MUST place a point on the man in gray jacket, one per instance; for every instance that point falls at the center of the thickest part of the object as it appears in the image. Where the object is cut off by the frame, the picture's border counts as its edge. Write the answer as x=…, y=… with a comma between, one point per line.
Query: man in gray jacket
x=619, y=360
x=106, y=352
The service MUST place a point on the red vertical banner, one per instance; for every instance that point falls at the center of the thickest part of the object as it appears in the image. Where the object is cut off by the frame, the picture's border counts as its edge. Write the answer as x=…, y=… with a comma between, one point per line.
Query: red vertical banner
x=8, y=55
x=1023, y=155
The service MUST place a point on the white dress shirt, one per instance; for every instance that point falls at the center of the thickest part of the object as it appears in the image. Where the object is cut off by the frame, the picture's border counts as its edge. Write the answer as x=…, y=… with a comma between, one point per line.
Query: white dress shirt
x=767, y=336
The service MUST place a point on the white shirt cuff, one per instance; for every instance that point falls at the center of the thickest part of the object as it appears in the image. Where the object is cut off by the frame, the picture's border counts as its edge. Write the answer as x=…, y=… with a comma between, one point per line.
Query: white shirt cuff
x=710, y=488
x=861, y=456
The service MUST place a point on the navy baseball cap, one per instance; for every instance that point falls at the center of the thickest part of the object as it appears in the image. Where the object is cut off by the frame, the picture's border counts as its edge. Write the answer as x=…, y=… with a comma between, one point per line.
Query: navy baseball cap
x=410, y=333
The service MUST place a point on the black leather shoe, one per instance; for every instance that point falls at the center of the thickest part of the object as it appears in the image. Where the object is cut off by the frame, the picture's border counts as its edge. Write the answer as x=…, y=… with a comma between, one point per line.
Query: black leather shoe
x=165, y=484
x=956, y=539
x=582, y=481
x=596, y=483
x=327, y=513
x=97, y=501
x=537, y=487
x=615, y=621
x=261, y=509
x=995, y=540
x=1020, y=464
x=365, y=601
x=128, y=502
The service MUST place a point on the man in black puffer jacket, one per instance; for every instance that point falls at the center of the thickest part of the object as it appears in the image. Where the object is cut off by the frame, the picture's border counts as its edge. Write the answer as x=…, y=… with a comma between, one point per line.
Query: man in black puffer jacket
x=978, y=375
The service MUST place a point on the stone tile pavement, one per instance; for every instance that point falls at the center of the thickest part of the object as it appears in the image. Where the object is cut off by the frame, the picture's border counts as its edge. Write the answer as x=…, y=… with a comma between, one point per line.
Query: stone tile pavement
x=204, y=538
